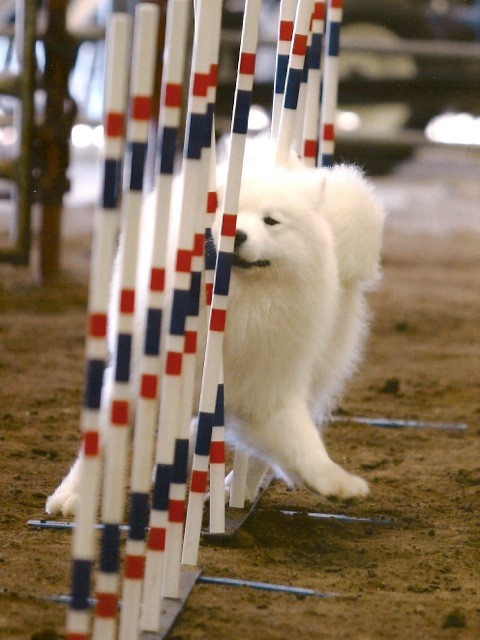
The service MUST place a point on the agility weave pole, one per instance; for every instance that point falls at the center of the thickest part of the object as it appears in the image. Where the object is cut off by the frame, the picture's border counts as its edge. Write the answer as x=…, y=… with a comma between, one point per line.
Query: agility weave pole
x=330, y=82
x=118, y=401
x=162, y=571
x=104, y=238
x=150, y=364
x=218, y=307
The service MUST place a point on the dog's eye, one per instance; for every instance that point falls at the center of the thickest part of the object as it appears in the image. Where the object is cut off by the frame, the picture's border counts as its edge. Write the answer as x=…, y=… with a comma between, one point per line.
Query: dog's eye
x=270, y=221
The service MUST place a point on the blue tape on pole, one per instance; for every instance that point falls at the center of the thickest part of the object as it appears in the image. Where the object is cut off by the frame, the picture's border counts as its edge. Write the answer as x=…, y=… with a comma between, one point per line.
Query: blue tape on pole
x=305, y=67
x=293, y=87
x=109, y=549
x=241, y=111
x=327, y=160
x=179, y=311
x=210, y=251
x=219, y=417
x=334, y=39
x=281, y=73
x=138, y=518
x=93, y=387
x=222, y=276
x=197, y=134
x=152, y=332
x=207, y=143
x=112, y=181
x=163, y=477
x=124, y=352
x=180, y=465
x=314, y=52
x=81, y=580
x=138, y=152
x=204, y=433
x=167, y=147
x=194, y=299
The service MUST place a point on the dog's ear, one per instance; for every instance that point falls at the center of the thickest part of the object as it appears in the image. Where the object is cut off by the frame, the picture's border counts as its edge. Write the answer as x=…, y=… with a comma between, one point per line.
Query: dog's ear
x=356, y=218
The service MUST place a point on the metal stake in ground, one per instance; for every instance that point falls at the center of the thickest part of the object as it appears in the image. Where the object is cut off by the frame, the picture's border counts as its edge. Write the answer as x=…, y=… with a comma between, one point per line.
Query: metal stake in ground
x=103, y=246
x=118, y=392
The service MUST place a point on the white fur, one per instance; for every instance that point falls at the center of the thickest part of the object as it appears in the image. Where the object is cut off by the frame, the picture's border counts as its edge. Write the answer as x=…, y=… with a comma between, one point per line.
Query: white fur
x=295, y=327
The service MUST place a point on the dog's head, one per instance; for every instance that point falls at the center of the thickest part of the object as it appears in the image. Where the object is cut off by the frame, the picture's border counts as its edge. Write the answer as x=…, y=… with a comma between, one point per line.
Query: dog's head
x=277, y=223
x=289, y=217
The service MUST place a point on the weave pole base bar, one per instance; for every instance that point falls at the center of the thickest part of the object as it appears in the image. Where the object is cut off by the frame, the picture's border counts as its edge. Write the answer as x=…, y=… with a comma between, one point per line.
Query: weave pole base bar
x=387, y=423
x=172, y=607
x=235, y=518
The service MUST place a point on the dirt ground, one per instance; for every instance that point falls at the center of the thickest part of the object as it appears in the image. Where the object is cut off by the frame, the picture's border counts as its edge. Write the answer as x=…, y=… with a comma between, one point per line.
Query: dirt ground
x=415, y=580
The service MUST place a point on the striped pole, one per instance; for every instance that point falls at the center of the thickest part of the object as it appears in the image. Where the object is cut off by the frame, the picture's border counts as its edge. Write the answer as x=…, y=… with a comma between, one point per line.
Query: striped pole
x=217, y=450
x=177, y=384
x=217, y=462
x=119, y=403
x=218, y=312
x=103, y=246
x=330, y=82
x=178, y=486
x=294, y=77
x=147, y=402
x=238, y=485
x=284, y=42
x=105, y=228
x=314, y=78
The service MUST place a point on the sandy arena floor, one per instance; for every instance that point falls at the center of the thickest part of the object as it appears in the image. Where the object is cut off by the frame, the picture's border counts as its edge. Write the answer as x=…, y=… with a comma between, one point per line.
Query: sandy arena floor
x=416, y=580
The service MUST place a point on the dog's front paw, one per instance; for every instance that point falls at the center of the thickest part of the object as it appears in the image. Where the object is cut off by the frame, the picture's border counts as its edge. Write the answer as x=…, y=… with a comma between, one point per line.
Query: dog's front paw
x=63, y=501
x=338, y=483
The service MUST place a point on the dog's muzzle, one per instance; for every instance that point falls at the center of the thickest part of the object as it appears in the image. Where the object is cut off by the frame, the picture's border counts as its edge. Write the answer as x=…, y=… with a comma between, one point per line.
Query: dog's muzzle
x=240, y=238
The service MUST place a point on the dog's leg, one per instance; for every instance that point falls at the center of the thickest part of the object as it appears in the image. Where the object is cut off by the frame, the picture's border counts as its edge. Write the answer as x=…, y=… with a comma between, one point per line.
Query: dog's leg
x=65, y=497
x=294, y=441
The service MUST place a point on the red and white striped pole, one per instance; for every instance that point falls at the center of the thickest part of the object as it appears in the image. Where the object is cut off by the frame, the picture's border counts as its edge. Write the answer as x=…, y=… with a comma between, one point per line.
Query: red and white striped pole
x=330, y=82
x=103, y=248
x=218, y=312
x=285, y=33
x=167, y=513
x=309, y=147
x=294, y=77
x=118, y=405
x=149, y=378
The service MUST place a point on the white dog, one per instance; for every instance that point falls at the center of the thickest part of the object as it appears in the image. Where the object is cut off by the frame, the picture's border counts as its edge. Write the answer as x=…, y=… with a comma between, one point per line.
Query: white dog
x=307, y=248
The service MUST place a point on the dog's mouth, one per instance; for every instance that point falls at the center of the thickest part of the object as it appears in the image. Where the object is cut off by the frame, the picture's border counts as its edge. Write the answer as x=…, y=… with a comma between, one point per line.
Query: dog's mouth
x=245, y=264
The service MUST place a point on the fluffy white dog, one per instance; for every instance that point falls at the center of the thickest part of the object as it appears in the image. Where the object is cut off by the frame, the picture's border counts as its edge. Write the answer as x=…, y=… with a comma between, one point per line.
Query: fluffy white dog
x=307, y=249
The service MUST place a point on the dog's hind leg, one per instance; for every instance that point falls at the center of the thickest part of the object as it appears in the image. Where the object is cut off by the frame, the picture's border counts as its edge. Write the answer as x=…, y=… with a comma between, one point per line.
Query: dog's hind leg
x=296, y=446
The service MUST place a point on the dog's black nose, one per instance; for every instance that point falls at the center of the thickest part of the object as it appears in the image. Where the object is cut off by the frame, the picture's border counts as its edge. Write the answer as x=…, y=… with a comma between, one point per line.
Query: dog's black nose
x=240, y=237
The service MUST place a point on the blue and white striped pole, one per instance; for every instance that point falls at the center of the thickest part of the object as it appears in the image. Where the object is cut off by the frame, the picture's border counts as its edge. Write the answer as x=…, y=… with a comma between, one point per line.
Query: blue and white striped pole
x=171, y=452
x=118, y=405
x=218, y=311
x=103, y=248
x=330, y=82
x=149, y=377
x=313, y=63
x=294, y=78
